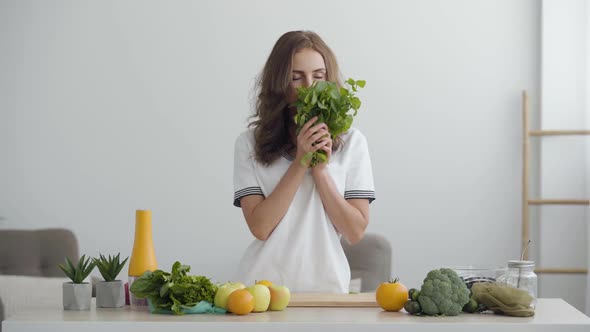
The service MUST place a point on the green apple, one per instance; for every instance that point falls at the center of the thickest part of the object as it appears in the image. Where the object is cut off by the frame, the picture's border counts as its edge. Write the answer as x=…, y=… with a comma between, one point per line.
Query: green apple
x=279, y=297
x=261, y=295
x=224, y=291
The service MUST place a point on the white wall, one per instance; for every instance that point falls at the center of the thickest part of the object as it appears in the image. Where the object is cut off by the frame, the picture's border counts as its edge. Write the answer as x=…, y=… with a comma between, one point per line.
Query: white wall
x=588, y=159
x=106, y=107
x=563, y=229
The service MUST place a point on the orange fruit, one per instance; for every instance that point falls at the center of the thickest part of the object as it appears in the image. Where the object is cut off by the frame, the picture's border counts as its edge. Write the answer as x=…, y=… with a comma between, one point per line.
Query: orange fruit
x=264, y=282
x=240, y=302
x=392, y=295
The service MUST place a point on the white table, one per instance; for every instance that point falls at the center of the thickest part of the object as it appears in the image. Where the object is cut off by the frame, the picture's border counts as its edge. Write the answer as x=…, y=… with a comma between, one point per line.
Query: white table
x=551, y=315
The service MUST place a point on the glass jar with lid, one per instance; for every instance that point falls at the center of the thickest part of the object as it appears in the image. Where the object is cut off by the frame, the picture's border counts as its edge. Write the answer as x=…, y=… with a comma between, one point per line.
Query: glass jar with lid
x=521, y=274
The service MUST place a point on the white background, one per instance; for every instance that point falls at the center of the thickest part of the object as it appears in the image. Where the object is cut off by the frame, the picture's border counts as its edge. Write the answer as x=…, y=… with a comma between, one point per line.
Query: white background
x=106, y=107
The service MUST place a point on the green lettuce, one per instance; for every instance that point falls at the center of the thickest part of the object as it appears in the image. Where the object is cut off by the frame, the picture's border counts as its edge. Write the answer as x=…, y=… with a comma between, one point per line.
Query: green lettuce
x=174, y=291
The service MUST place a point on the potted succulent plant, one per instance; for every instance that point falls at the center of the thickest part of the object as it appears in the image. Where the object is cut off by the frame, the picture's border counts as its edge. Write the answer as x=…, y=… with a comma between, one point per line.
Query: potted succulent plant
x=77, y=294
x=110, y=293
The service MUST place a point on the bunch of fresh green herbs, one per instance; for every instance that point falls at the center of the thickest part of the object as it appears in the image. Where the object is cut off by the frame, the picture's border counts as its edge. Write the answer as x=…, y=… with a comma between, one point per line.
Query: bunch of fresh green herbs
x=331, y=104
x=174, y=291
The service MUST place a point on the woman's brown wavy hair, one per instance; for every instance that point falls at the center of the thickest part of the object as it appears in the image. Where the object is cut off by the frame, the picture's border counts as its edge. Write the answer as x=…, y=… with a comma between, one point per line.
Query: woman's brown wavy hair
x=272, y=120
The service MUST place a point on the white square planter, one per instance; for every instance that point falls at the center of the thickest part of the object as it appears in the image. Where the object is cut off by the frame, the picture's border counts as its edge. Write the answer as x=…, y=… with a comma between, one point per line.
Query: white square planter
x=110, y=294
x=77, y=296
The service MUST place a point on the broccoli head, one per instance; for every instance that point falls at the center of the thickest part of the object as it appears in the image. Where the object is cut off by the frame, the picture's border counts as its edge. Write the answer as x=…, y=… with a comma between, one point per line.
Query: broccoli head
x=443, y=293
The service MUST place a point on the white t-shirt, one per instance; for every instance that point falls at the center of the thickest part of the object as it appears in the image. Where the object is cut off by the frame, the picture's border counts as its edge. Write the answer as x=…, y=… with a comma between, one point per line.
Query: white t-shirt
x=303, y=252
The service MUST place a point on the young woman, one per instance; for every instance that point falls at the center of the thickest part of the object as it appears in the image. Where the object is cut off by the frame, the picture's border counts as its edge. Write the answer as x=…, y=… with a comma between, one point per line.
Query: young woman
x=297, y=213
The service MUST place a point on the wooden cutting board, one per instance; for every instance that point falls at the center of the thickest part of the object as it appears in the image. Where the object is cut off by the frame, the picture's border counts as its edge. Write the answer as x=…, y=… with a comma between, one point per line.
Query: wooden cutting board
x=332, y=300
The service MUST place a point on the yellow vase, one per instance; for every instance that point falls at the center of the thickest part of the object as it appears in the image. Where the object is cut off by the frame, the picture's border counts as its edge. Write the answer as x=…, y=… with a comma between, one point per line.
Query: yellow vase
x=143, y=256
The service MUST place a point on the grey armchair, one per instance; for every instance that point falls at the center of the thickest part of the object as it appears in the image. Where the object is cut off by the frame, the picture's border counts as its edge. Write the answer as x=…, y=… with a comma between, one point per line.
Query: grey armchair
x=35, y=253
x=369, y=260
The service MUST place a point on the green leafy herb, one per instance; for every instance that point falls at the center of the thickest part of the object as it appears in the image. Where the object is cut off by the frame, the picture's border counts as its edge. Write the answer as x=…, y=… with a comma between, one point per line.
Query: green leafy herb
x=174, y=291
x=331, y=104
x=109, y=267
x=78, y=272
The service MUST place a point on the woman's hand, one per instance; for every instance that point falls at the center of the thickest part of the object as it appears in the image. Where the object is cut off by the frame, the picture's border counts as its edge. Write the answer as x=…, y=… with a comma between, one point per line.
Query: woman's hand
x=312, y=138
x=326, y=146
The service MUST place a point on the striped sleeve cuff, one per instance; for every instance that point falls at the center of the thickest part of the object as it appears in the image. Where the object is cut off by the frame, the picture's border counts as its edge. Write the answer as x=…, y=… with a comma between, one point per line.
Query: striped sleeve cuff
x=246, y=192
x=368, y=194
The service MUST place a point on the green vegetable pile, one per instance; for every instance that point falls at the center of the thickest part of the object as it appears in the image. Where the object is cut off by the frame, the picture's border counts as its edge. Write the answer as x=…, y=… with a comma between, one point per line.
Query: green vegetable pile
x=443, y=293
x=331, y=105
x=174, y=291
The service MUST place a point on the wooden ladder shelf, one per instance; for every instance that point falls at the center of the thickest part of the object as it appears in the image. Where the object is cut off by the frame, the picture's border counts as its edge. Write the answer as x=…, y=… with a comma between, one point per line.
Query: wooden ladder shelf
x=526, y=201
